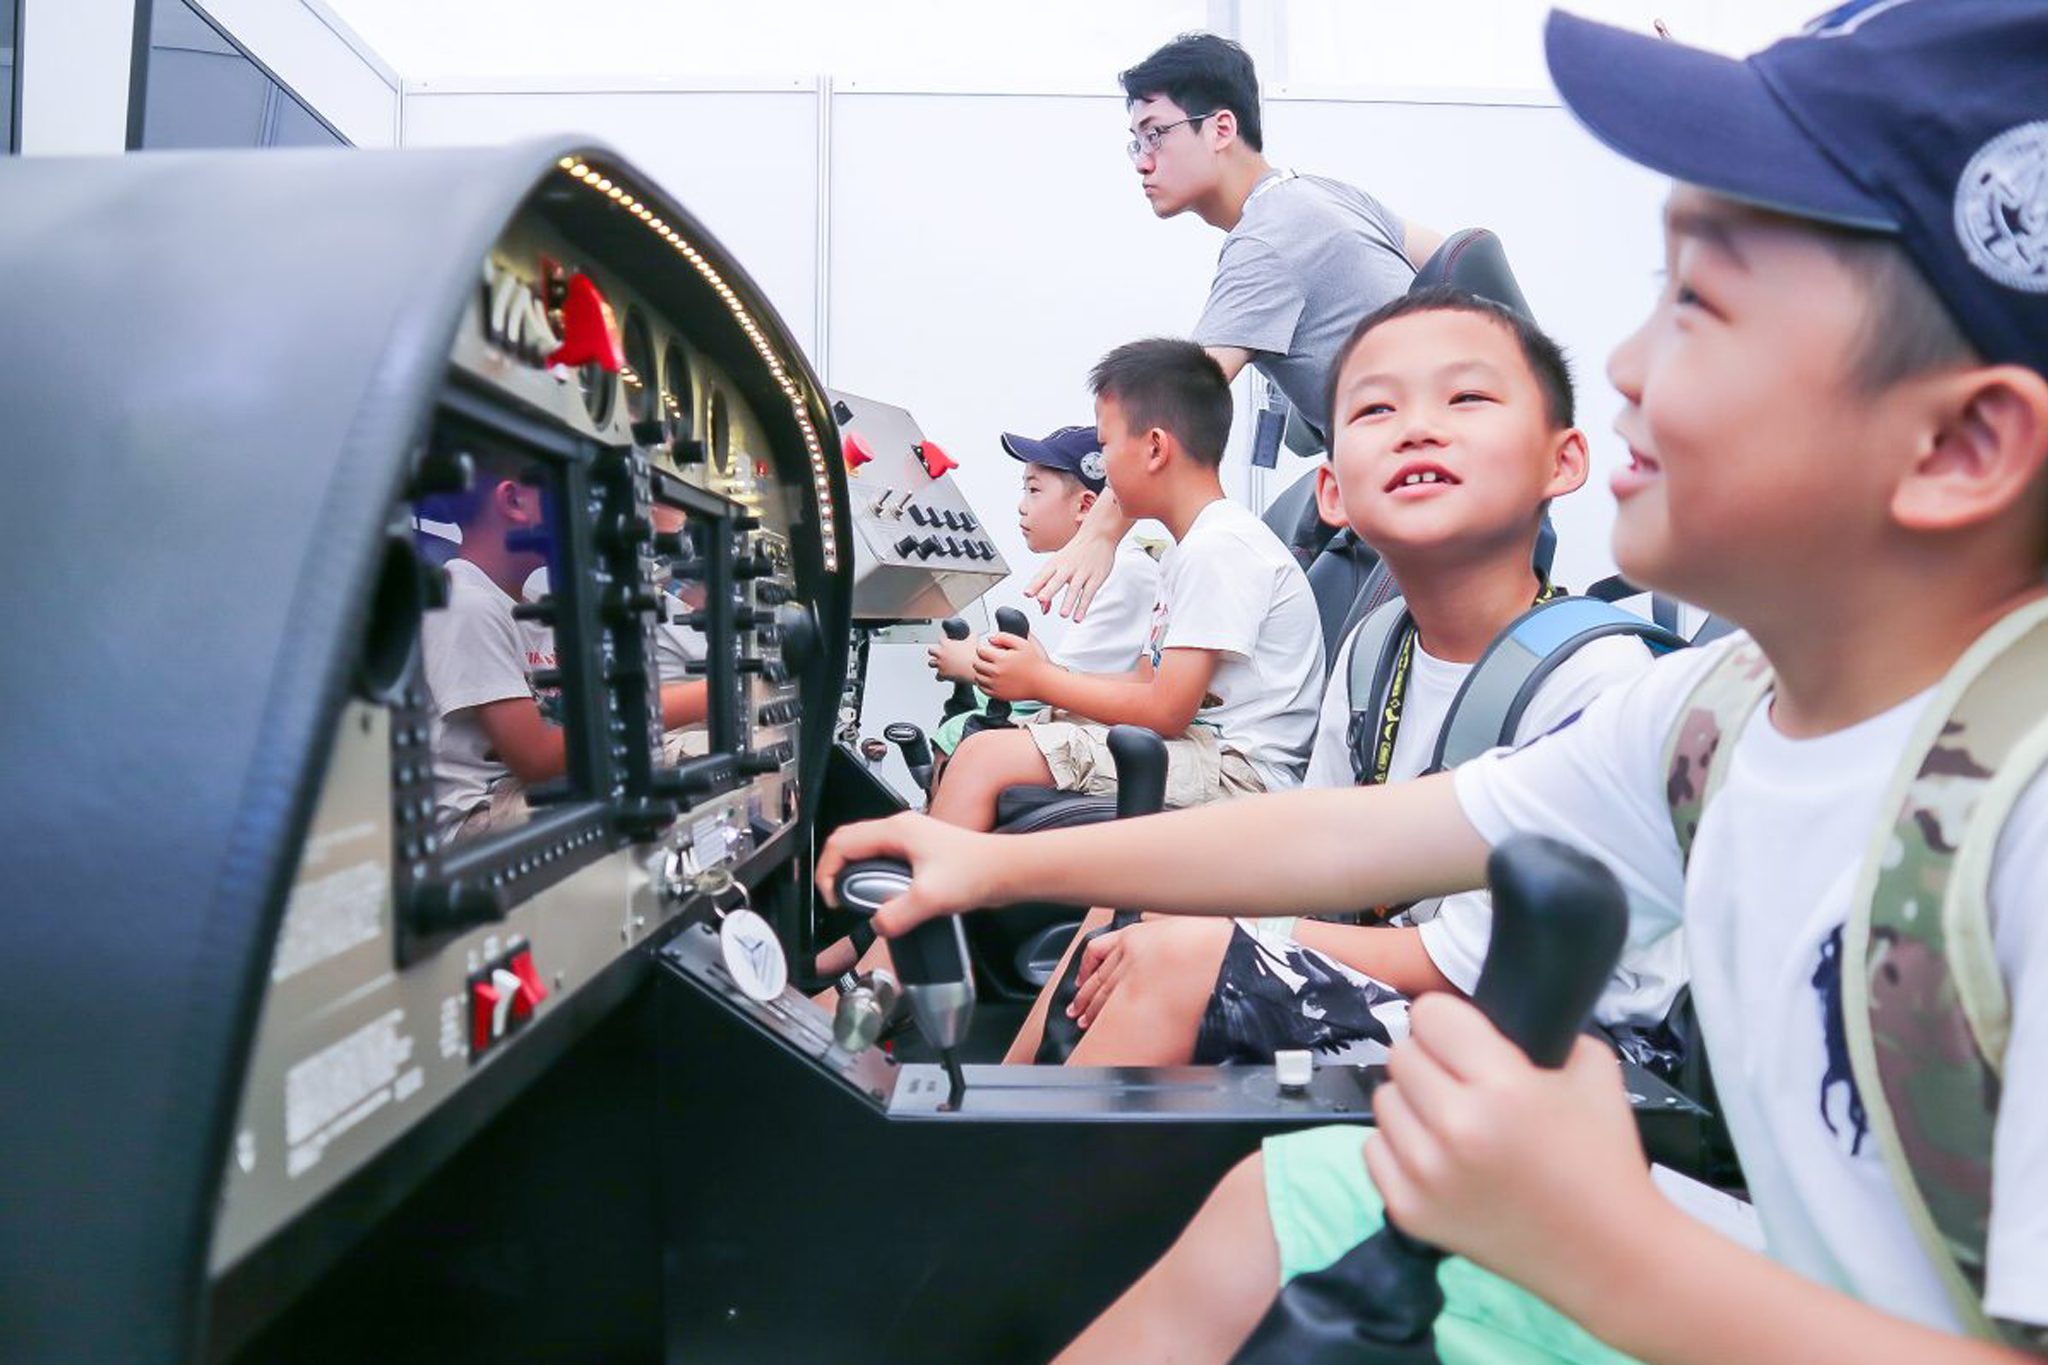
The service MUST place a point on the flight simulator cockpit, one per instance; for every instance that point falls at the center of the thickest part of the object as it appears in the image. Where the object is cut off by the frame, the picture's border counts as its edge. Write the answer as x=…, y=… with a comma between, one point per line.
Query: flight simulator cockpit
x=368, y=1031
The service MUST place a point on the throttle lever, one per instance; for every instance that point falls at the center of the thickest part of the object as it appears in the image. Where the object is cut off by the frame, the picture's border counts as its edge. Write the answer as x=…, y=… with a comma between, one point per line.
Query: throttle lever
x=931, y=962
x=962, y=700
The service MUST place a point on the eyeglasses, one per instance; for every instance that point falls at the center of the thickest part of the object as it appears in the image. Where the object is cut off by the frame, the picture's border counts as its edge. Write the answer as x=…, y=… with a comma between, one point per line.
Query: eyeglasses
x=1149, y=140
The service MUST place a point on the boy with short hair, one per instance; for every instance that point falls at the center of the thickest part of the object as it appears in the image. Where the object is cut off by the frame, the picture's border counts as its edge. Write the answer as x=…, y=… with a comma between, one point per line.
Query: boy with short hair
x=1451, y=420
x=1063, y=475
x=1234, y=670
x=1838, y=421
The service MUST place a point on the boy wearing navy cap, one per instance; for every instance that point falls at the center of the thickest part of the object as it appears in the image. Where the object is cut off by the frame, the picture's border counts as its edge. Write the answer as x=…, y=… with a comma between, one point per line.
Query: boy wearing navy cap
x=1838, y=419
x=1063, y=475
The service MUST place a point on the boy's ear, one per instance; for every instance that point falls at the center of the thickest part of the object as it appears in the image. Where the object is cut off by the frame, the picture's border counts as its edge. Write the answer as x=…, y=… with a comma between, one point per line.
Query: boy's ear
x=518, y=503
x=1329, y=497
x=1159, y=449
x=1086, y=502
x=1569, y=463
x=1985, y=449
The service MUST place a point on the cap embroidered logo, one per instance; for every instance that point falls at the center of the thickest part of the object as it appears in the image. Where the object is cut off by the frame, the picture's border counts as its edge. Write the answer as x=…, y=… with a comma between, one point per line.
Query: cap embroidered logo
x=1092, y=466
x=2002, y=208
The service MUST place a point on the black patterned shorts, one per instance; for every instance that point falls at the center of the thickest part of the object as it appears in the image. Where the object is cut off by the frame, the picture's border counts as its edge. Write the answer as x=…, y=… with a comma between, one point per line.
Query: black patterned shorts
x=1271, y=998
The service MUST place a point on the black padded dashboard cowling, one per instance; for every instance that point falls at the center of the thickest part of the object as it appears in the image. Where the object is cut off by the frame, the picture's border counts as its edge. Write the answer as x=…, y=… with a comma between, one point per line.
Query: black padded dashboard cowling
x=217, y=371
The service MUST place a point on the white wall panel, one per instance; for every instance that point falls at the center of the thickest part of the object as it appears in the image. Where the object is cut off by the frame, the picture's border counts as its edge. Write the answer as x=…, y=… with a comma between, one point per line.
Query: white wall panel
x=744, y=162
x=74, y=76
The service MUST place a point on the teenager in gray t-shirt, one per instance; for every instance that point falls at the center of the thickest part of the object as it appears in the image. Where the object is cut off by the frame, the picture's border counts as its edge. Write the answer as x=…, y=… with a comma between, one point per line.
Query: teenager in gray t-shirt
x=1305, y=257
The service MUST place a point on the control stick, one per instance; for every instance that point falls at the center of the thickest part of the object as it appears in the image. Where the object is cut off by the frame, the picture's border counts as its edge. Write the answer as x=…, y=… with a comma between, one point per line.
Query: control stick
x=962, y=700
x=916, y=750
x=1140, y=757
x=1009, y=621
x=931, y=962
x=1559, y=918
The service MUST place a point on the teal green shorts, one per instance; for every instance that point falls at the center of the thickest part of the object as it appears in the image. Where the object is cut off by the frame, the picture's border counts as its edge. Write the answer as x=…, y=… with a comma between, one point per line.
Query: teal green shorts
x=1323, y=1203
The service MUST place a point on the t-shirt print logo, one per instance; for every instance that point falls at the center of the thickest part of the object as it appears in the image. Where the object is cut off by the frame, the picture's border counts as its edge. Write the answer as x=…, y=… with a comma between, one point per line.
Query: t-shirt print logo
x=1827, y=982
x=2001, y=208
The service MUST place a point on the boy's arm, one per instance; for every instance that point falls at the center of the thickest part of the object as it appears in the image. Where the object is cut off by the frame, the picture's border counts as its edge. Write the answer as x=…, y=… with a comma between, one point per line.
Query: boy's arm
x=1081, y=566
x=1298, y=852
x=684, y=703
x=1168, y=702
x=1392, y=955
x=523, y=739
x=1539, y=1176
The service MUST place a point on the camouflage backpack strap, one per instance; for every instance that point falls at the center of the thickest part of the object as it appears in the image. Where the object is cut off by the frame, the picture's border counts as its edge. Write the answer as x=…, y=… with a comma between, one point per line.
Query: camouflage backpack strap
x=1923, y=1002
x=1695, y=758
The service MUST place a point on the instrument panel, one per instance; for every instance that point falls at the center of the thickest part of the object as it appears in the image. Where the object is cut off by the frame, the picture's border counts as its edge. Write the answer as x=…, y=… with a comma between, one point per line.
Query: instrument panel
x=618, y=576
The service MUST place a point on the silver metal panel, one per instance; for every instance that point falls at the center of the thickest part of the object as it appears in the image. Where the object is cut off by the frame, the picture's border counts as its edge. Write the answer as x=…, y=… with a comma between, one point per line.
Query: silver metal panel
x=887, y=496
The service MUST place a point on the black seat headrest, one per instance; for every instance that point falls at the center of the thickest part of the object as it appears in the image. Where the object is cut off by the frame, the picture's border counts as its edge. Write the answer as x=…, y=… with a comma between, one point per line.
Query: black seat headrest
x=1474, y=261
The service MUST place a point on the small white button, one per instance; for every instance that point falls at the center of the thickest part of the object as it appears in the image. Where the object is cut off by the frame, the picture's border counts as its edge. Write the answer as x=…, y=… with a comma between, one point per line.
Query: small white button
x=507, y=987
x=1293, y=1068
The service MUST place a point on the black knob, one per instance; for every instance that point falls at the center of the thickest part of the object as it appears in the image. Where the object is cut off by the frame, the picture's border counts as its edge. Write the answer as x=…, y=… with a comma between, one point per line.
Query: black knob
x=1140, y=757
x=687, y=450
x=967, y=522
x=543, y=611
x=698, y=778
x=545, y=679
x=928, y=547
x=952, y=547
x=917, y=514
x=669, y=544
x=955, y=628
x=1011, y=621
x=754, y=565
x=799, y=633
x=750, y=664
x=841, y=413
x=907, y=546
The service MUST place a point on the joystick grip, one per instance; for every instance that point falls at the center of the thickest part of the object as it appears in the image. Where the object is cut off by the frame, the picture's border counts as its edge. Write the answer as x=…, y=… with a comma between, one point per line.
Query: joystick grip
x=955, y=628
x=1140, y=756
x=1559, y=918
x=962, y=699
x=931, y=960
x=1009, y=621
x=916, y=750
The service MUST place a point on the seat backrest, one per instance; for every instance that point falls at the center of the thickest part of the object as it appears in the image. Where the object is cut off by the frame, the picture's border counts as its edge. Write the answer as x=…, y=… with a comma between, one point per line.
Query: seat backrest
x=1474, y=261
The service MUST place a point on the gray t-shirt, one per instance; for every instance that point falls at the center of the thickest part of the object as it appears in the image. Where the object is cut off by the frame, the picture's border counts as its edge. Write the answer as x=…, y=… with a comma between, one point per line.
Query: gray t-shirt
x=1308, y=258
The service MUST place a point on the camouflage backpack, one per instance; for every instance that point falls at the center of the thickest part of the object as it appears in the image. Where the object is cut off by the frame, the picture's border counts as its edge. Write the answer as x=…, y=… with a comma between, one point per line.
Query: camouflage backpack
x=1923, y=1003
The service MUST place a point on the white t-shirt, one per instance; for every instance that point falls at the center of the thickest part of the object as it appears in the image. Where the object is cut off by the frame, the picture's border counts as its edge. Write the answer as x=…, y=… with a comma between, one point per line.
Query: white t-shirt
x=474, y=653
x=676, y=645
x=1231, y=586
x=1111, y=637
x=1652, y=964
x=1773, y=867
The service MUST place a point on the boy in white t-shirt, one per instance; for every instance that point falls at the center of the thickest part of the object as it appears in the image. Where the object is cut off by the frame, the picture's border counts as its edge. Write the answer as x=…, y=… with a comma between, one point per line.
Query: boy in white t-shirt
x=1453, y=431
x=1837, y=415
x=1063, y=475
x=494, y=734
x=1233, y=666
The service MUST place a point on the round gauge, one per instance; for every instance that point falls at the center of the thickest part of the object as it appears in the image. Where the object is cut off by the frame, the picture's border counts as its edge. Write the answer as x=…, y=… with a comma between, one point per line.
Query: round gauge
x=720, y=424
x=600, y=392
x=638, y=376
x=676, y=413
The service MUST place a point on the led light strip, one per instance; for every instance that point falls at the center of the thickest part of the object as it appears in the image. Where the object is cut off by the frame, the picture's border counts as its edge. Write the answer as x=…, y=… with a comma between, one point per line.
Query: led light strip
x=820, y=470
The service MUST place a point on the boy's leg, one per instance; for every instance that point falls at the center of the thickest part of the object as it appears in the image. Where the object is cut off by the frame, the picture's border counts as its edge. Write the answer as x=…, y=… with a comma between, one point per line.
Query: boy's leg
x=1202, y=1299
x=983, y=766
x=1024, y=1050
x=1294, y=1208
x=1155, y=1011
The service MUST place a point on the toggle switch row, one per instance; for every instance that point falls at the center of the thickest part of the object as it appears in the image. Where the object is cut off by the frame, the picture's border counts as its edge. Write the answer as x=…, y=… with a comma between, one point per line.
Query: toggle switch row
x=501, y=998
x=945, y=547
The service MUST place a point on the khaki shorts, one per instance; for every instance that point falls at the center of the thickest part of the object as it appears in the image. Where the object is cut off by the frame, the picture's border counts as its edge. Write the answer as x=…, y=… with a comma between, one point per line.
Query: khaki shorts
x=1198, y=767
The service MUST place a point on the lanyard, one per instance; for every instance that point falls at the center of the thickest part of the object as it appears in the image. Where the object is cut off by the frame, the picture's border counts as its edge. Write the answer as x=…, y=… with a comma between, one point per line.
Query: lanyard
x=1389, y=726
x=1276, y=178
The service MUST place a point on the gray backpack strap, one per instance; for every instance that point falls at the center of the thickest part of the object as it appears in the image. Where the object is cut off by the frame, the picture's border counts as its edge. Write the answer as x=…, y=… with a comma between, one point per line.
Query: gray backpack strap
x=1489, y=706
x=1373, y=650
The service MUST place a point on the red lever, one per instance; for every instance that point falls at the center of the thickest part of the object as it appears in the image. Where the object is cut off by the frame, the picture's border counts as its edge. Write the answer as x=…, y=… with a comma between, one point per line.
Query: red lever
x=531, y=991
x=936, y=461
x=590, y=333
x=483, y=1005
x=857, y=450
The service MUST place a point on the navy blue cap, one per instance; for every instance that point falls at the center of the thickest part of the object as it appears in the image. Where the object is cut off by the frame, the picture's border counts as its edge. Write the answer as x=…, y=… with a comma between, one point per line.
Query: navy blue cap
x=1924, y=119
x=1073, y=449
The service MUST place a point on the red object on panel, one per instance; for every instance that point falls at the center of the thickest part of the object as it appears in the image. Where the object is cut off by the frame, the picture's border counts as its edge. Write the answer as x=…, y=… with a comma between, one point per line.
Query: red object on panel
x=483, y=1004
x=590, y=333
x=531, y=991
x=936, y=461
x=857, y=450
